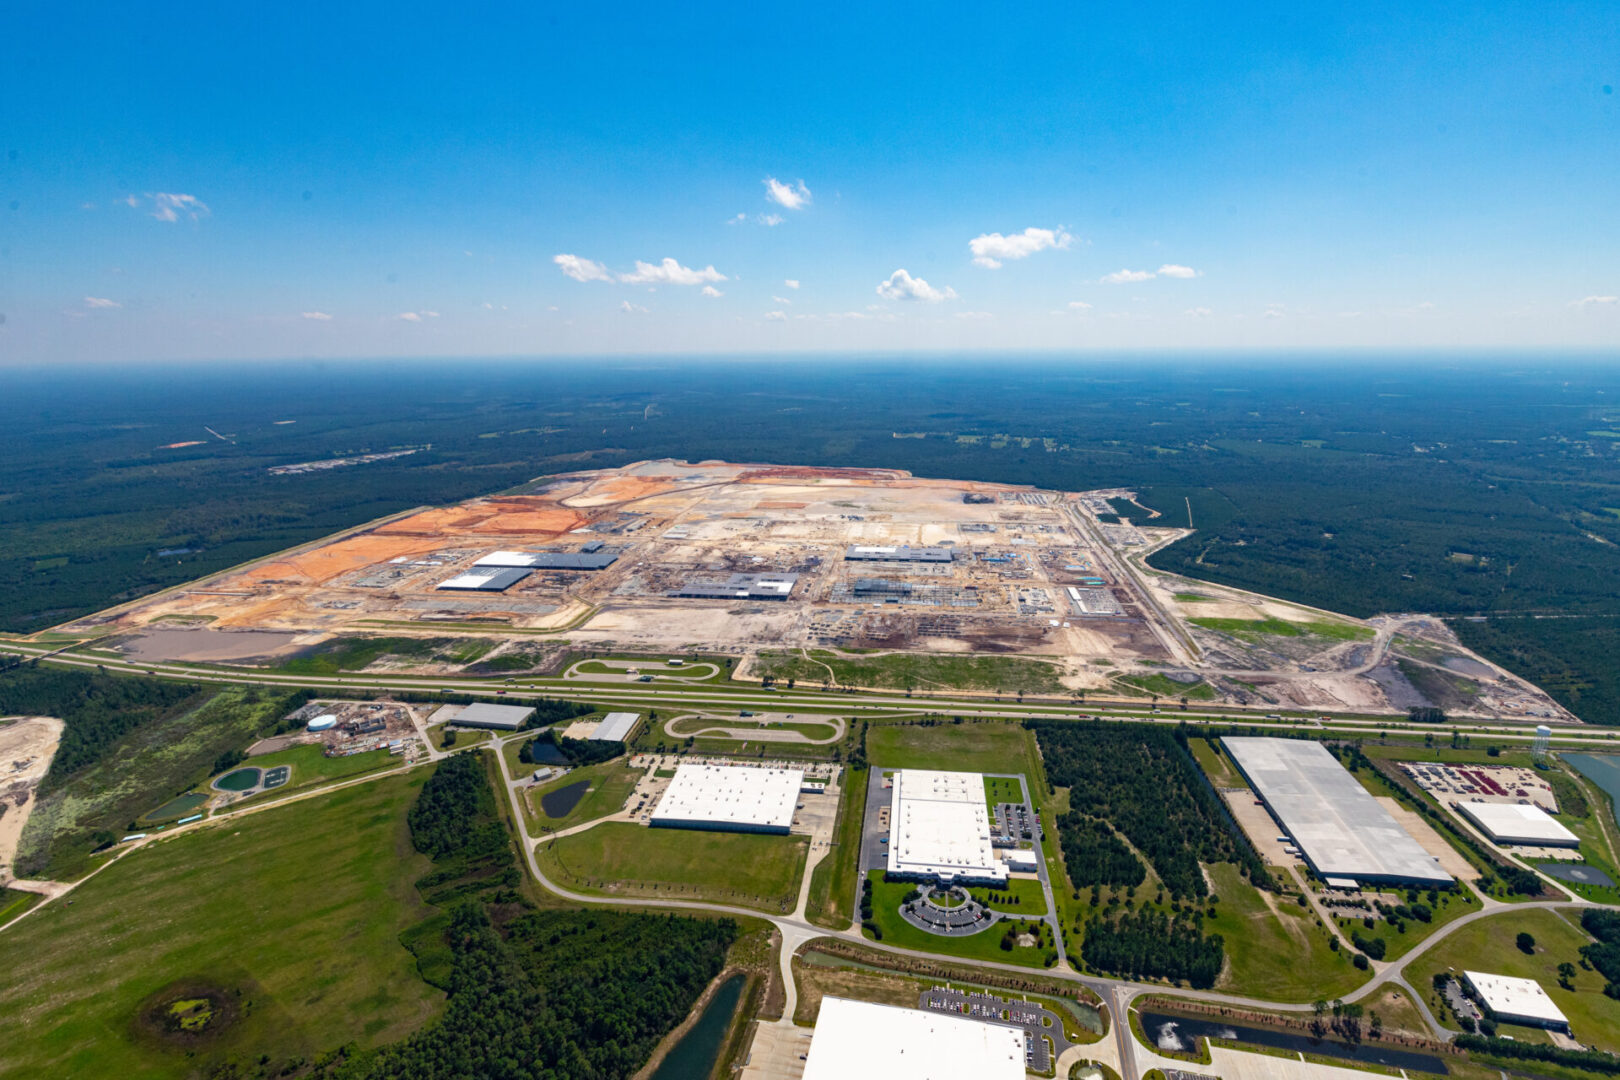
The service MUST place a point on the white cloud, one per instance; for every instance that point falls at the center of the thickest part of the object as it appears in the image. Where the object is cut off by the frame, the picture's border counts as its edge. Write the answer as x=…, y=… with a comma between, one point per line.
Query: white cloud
x=990, y=249
x=770, y=219
x=100, y=302
x=1126, y=277
x=582, y=269
x=632, y=309
x=1275, y=311
x=167, y=206
x=410, y=316
x=1176, y=271
x=318, y=316
x=1427, y=305
x=975, y=316
x=131, y=201
x=776, y=316
x=792, y=283
x=1595, y=301
x=787, y=195
x=902, y=286
x=430, y=314
x=1200, y=312
x=1078, y=305
x=782, y=300
x=738, y=220
x=670, y=272
x=711, y=291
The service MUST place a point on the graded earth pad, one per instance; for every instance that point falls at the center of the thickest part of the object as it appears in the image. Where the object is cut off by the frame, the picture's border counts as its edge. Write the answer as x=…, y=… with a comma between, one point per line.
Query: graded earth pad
x=838, y=565
x=27, y=745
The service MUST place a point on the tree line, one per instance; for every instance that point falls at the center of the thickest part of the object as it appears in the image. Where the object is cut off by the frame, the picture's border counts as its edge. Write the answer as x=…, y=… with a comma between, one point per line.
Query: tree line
x=1145, y=783
x=96, y=709
x=1149, y=944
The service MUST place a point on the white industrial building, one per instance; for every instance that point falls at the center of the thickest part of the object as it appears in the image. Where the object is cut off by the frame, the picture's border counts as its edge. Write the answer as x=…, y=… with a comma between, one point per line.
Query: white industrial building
x=1516, y=1001
x=617, y=727
x=481, y=714
x=1340, y=829
x=939, y=829
x=1020, y=860
x=732, y=798
x=857, y=1038
x=1518, y=823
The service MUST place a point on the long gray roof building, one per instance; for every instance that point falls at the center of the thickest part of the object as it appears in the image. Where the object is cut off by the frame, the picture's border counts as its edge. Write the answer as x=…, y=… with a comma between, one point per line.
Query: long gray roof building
x=1340, y=828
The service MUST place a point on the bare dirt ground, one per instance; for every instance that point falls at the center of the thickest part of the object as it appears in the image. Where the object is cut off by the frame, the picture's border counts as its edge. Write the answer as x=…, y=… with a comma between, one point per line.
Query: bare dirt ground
x=27, y=745
x=1015, y=555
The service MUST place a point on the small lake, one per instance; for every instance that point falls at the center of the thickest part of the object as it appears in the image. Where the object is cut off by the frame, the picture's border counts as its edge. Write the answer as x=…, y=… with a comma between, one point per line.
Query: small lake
x=693, y=1057
x=561, y=803
x=1179, y=1033
x=1604, y=771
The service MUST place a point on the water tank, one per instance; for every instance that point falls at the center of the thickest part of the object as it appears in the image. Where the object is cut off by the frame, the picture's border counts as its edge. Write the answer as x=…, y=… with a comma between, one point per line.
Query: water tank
x=323, y=723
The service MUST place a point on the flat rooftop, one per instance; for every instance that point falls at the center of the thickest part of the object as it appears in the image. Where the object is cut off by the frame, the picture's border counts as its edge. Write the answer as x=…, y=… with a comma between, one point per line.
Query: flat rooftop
x=902, y=553
x=551, y=560
x=1341, y=829
x=939, y=825
x=482, y=714
x=485, y=579
x=616, y=726
x=730, y=796
x=740, y=587
x=859, y=1039
x=1518, y=823
x=1508, y=996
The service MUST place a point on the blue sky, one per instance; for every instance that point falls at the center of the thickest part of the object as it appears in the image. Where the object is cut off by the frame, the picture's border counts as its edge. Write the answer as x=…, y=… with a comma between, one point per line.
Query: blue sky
x=402, y=179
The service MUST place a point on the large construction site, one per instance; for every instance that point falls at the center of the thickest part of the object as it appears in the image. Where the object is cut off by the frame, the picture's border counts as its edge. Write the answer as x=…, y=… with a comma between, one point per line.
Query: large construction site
x=731, y=558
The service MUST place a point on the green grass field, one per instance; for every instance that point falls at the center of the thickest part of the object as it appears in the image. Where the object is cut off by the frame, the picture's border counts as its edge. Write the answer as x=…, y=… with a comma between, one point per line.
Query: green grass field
x=886, y=899
x=832, y=883
x=971, y=747
x=1220, y=770
x=1022, y=897
x=1000, y=789
x=299, y=907
x=1488, y=945
x=13, y=902
x=1166, y=687
x=611, y=783
x=1280, y=955
x=913, y=671
x=1453, y=905
x=622, y=859
x=311, y=767
x=1255, y=629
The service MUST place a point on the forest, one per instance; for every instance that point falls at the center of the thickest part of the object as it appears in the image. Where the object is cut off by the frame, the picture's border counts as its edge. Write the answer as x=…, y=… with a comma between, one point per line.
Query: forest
x=1143, y=782
x=1473, y=487
x=1150, y=944
x=96, y=709
x=533, y=994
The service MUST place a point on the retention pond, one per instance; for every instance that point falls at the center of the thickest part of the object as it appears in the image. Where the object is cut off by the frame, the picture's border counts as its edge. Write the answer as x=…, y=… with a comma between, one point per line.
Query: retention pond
x=693, y=1057
x=1181, y=1033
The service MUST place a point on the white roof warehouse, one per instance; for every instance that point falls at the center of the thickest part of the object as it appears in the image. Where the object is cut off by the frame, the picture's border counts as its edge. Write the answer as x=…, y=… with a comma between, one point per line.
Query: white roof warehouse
x=1341, y=829
x=730, y=797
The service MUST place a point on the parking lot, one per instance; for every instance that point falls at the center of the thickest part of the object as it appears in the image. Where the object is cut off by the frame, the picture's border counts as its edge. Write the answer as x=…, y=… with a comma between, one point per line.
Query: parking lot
x=1044, y=1040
